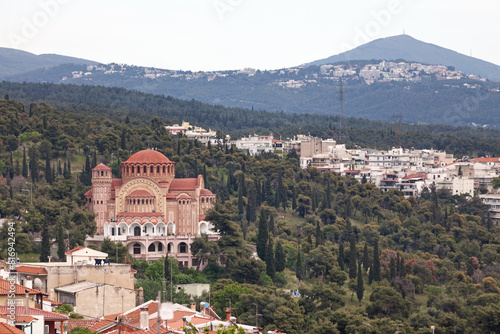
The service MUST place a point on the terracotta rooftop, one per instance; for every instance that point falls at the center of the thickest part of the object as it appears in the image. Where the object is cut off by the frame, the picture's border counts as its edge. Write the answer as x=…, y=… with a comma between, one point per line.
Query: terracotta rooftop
x=147, y=156
x=7, y=329
x=88, y=193
x=21, y=310
x=140, y=193
x=205, y=192
x=101, y=166
x=415, y=176
x=140, y=214
x=74, y=250
x=20, y=289
x=183, y=184
x=31, y=270
x=82, y=323
x=483, y=160
x=184, y=196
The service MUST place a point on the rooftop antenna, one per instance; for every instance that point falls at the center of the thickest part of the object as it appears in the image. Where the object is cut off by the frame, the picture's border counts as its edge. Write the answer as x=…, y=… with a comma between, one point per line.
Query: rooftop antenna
x=397, y=126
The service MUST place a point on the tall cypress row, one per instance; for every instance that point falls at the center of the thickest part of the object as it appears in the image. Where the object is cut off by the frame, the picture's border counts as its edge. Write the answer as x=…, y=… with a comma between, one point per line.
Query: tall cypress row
x=352, y=257
x=280, y=258
x=262, y=235
x=360, y=289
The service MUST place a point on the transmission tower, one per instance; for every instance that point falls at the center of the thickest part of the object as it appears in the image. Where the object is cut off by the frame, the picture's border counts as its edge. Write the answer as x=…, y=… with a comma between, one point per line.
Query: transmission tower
x=343, y=132
x=397, y=129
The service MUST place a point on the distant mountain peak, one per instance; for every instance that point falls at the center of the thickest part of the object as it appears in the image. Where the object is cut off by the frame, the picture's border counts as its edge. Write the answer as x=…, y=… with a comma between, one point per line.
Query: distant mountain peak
x=411, y=49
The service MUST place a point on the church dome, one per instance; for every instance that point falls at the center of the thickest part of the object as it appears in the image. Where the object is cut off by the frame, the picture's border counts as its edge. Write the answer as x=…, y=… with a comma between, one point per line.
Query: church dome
x=147, y=157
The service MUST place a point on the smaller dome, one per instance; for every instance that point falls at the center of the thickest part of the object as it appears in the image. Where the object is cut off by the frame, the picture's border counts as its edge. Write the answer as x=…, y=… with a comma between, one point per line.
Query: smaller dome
x=147, y=156
x=101, y=166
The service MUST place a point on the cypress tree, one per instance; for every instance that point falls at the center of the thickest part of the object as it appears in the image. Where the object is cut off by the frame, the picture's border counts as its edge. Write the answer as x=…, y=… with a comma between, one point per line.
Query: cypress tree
x=271, y=225
x=376, y=262
x=360, y=289
x=280, y=257
x=319, y=234
x=68, y=175
x=45, y=252
x=25, y=164
x=48, y=171
x=398, y=265
x=294, y=199
x=328, y=199
x=392, y=268
x=59, y=168
x=258, y=193
x=270, y=260
x=299, y=267
x=93, y=163
x=341, y=257
x=34, y=164
x=262, y=235
x=60, y=242
x=240, y=202
x=352, y=257
x=402, y=272
x=252, y=204
x=366, y=257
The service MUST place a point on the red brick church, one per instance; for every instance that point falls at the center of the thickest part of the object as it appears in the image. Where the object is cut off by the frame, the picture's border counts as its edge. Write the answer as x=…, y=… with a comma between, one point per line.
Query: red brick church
x=148, y=209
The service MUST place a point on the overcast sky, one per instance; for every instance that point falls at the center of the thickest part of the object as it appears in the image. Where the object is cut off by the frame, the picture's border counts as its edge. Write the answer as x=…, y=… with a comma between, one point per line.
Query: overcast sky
x=233, y=34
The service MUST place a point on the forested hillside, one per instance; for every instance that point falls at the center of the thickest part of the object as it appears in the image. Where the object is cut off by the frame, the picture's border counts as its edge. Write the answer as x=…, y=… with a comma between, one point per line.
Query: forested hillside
x=117, y=103
x=364, y=261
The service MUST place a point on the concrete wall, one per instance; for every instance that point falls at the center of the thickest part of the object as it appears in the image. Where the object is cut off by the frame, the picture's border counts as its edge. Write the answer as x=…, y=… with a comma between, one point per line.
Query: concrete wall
x=89, y=303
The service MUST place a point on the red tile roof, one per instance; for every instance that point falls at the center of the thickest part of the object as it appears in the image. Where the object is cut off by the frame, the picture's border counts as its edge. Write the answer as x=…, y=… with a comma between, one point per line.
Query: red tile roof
x=205, y=192
x=21, y=310
x=88, y=193
x=140, y=193
x=483, y=160
x=140, y=214
x=31, y=270
x=7, y=329
x=147, y=156
x=183, y=184
x=19, y=289
x=415, y=176
x=74, y=250
x=184, y=196
x=82, y=323
x=101, y=166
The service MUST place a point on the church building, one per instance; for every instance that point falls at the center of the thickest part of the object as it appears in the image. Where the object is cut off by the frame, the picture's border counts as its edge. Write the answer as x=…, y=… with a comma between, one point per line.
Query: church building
x=148, y=209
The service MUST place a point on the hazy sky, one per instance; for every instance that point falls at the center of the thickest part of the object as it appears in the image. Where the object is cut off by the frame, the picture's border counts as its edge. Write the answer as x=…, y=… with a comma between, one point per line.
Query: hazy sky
x=233, y=34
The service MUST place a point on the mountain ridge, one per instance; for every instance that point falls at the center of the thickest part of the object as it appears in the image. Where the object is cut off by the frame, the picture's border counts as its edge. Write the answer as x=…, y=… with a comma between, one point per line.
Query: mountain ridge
x=14, y=61
x=411, y=49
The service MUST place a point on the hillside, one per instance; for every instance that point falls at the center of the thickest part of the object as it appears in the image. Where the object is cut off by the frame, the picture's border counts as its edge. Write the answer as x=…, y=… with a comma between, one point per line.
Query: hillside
x=364, y=260
x=13, y=62
x=410, y=49
x=374, y=90
x=140, y=108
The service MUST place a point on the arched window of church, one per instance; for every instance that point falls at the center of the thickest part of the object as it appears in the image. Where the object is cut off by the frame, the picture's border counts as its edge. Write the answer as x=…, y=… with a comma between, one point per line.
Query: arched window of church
x=157, y=169
x=151, y=170
x=102, y=173
x=133, y=170
x=160, y=247
x=137, y=232
x=164, y=168
x=137, y=249
x=144, y=169
x=183, y=248
x=152, y=248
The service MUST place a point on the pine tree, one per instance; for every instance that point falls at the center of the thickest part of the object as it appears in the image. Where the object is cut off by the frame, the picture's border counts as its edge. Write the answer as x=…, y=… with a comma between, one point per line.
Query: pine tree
x=341, y=257
x=366, y=257
x=280, y=258
x=299, y=266
x=376, y=262
x=398, y=265
x=45, y=252
x=262, y=235
x=61, y=248
x=270, y=260
x=25, y=164
x=328, y=199
x=352, y=257
x=68, y=170
x=360, y=289
x=294, y=199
